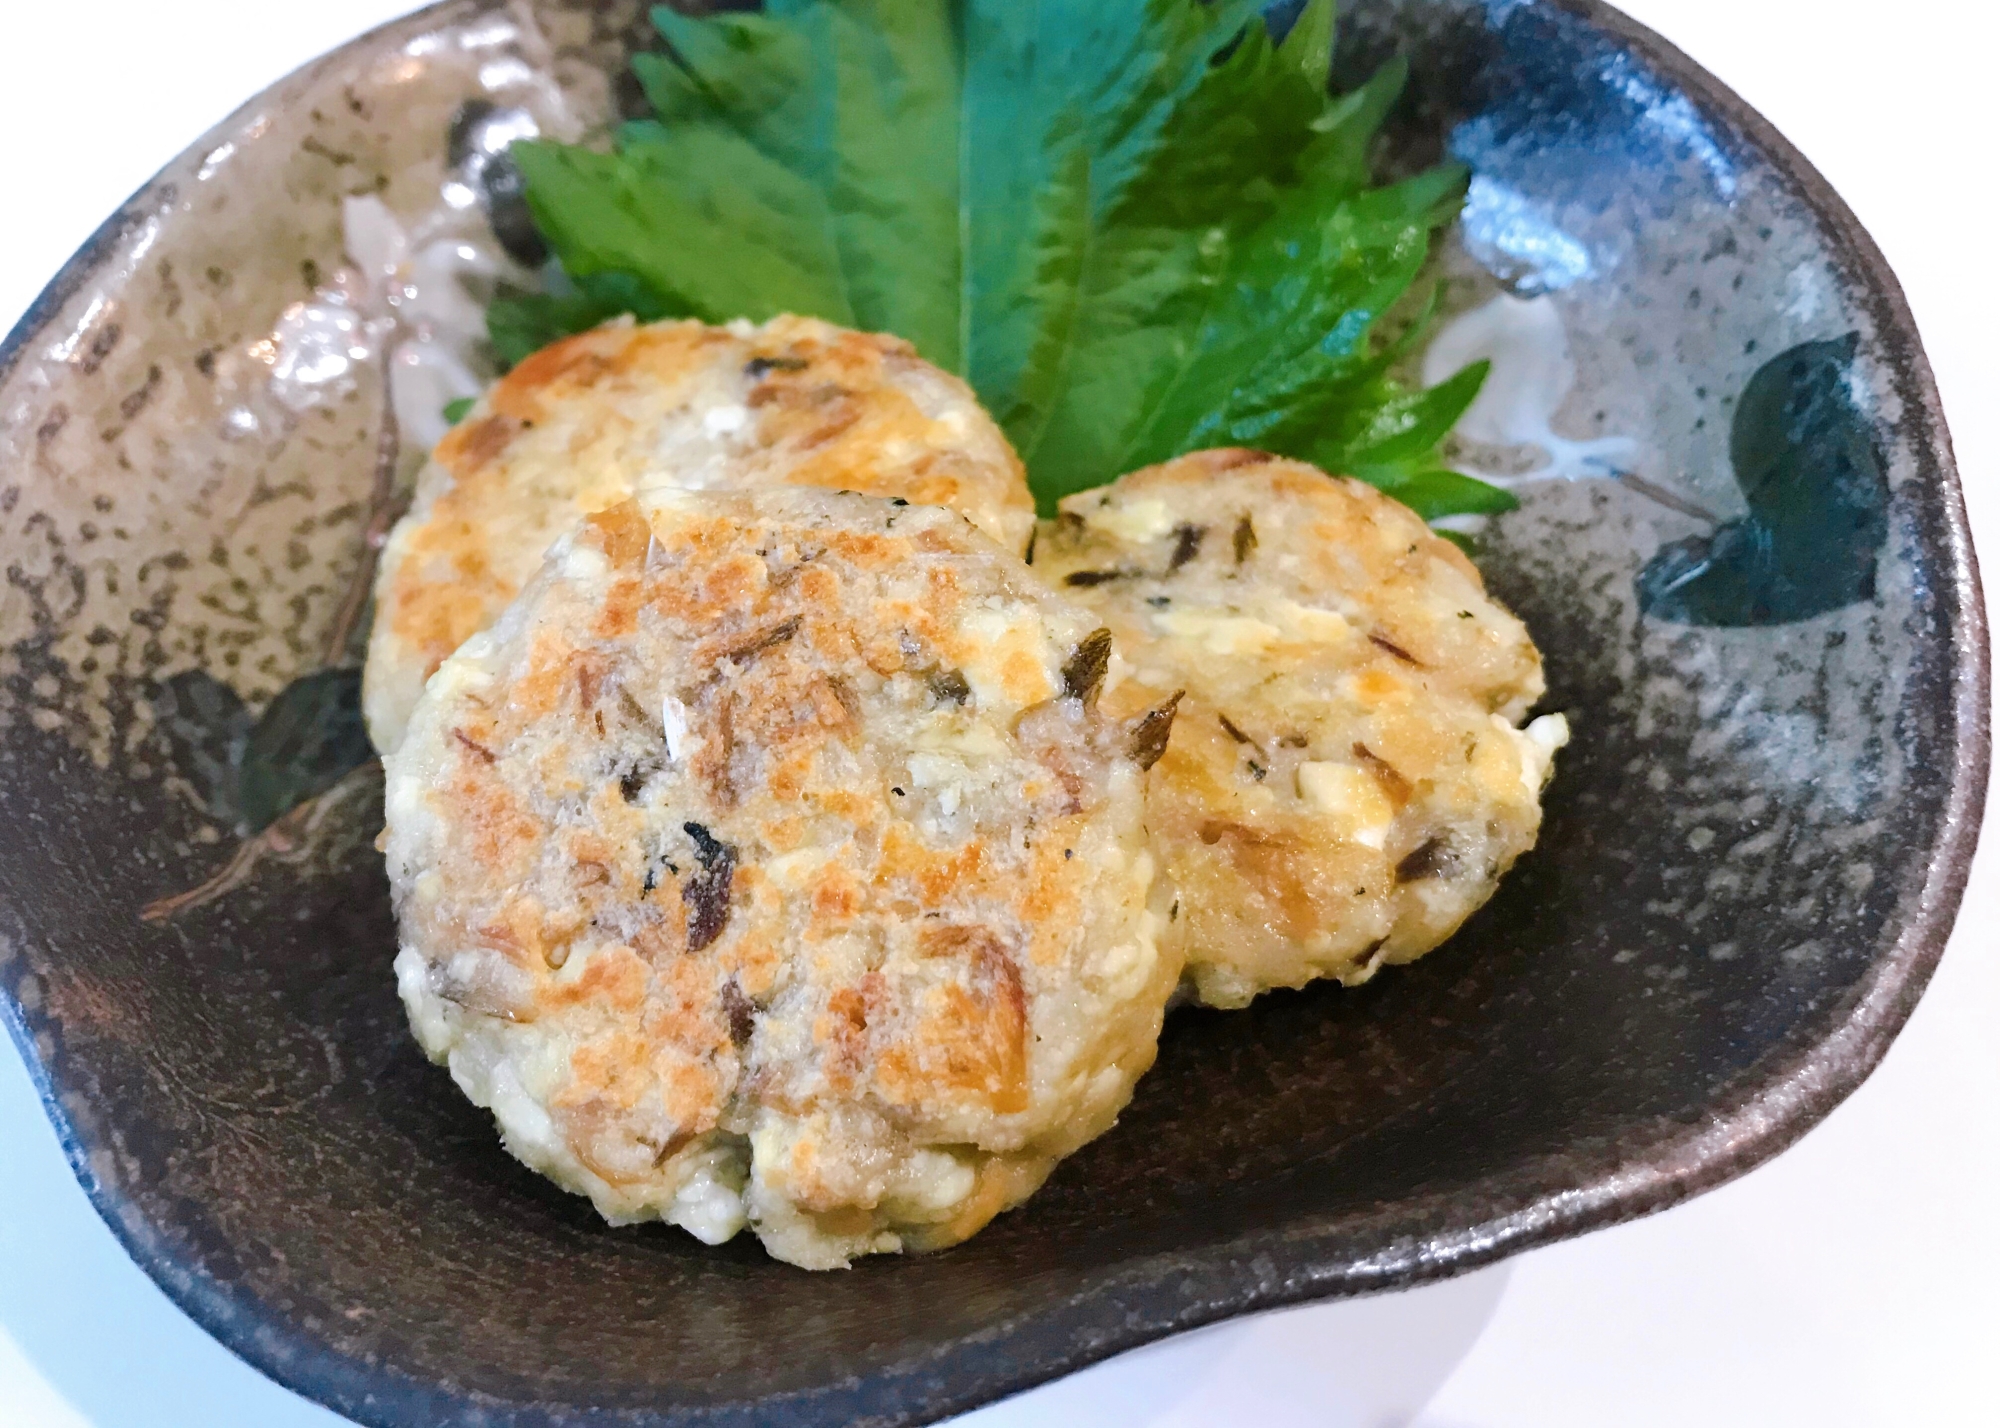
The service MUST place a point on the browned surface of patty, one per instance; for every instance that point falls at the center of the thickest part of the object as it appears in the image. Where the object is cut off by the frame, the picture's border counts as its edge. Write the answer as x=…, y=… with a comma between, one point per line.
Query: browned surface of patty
x=585, y=422
x=765, y=849
x=1345, y=783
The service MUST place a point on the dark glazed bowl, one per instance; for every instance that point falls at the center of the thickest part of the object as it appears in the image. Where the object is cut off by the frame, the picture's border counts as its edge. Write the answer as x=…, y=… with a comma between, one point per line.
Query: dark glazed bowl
x=1763, y=617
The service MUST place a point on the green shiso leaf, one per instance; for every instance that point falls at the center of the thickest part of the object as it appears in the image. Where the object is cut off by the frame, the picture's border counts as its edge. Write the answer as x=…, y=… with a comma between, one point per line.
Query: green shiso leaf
x=522, y=322
x=1136, y=227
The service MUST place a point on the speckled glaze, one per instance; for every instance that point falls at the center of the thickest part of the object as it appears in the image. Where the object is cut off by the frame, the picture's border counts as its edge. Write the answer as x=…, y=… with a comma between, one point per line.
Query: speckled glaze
x=1752, y=856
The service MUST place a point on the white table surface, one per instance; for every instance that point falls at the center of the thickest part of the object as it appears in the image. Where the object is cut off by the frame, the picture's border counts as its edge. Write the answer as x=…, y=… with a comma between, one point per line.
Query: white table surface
x=1852, y=1283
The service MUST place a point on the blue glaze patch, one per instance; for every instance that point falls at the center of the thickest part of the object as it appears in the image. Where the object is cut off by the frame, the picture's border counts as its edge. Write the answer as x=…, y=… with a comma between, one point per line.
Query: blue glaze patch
x=1514, y=237
x=1566, y=122
x=1806, y=460
x=307, y=739
x=205, y=726
x=251, y=772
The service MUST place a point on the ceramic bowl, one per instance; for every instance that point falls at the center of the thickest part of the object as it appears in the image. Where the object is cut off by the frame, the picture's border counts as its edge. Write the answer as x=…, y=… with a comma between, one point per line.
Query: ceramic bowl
x=1743, y=551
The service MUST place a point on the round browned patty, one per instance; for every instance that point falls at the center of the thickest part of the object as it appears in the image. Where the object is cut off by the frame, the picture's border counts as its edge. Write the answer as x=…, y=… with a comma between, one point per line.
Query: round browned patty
x=587, y=421
x=769, y=861
x=1346, y=782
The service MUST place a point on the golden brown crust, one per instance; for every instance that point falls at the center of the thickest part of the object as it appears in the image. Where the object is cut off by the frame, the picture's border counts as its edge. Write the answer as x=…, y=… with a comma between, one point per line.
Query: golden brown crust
x=586, y=421
x=761, y=828
x=1344, y=783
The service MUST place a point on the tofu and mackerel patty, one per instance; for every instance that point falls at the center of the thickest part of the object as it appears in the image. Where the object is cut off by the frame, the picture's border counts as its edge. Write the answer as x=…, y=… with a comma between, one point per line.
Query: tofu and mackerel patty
x=587, y=421
x=1346, y=781
x=772, y=861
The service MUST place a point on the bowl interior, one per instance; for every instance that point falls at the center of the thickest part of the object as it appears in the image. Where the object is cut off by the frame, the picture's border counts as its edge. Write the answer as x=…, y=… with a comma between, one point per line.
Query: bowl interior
x=1748, y=570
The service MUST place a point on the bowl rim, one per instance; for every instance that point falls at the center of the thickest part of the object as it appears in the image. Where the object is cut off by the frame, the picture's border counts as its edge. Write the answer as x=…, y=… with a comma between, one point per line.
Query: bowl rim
x=1546, y=1199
